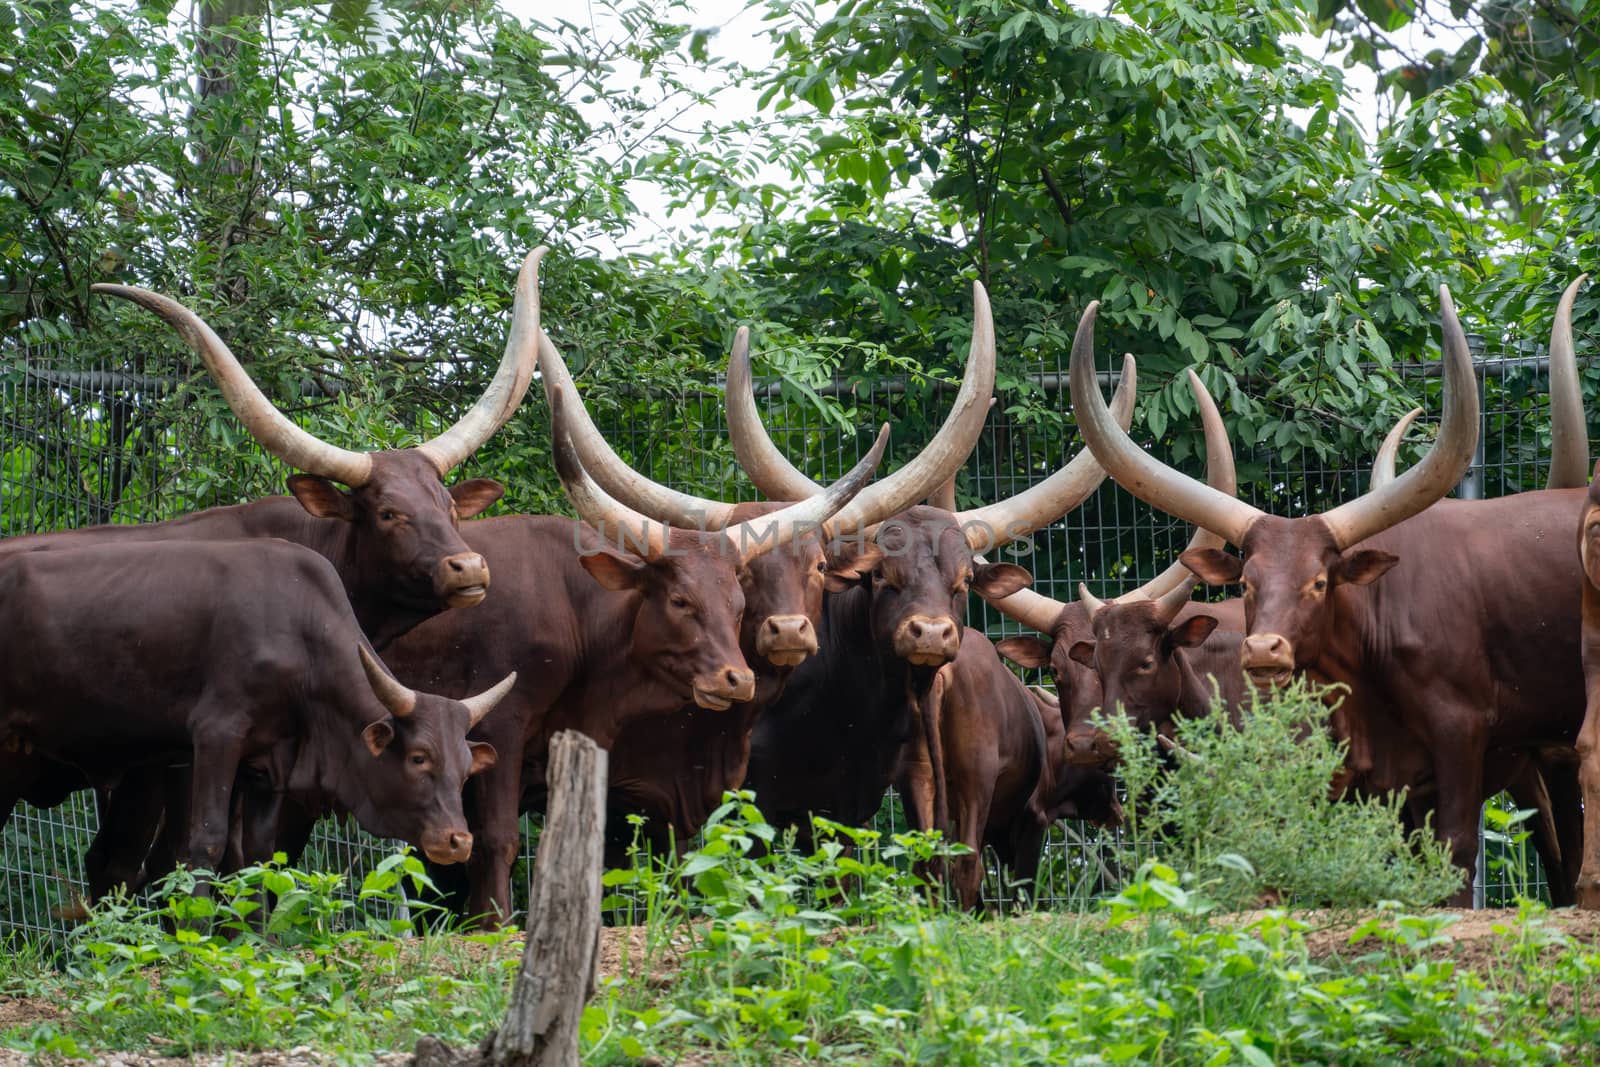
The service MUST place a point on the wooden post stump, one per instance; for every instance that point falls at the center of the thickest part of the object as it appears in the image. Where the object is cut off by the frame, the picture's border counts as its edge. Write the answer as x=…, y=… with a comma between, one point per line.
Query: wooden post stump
x=557, y=975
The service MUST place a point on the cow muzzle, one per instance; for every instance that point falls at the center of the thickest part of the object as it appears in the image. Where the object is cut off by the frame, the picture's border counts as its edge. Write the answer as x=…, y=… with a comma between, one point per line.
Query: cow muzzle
x=927, y=641
x=786, y=640
x=1089, y=748
x=721, y=691
x=447, y=846
x=1268, y=660
x=462, y=580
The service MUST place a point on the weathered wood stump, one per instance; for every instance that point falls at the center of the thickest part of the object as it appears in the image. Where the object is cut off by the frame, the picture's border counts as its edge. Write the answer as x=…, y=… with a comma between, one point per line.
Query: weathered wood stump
x=557, y=975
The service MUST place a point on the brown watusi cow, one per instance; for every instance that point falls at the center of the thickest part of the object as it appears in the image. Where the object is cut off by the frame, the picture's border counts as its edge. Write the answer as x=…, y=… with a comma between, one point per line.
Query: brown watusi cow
x=678, y=769
x=598, y=633
x=1153, y=664
x=1470, y=646
x=1589, y=735
x=117, y=654
x=998, y=767
x=1066, y=624
x=392, y=537
x=854, y=717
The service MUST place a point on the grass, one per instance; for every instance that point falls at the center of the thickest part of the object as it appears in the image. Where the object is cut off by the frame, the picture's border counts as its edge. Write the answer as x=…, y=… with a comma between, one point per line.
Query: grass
x=749, y=951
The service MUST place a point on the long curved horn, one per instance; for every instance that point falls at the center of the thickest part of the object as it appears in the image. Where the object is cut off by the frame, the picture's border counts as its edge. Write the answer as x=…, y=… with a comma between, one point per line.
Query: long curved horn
x=483, y=703
x=1089, y=600
x=1445, y=462
x=594, y=506
x=510, y=383
x=1033, y=610
x=768, y=469
x=944, y=497
x=266, y=423
x=1569, y=431
x=1383, y=462
x=400, y=701
x=1220, y=475
x=940, y=459
x=1135, y=469
x=819, y=514
x=1040, y=505
x=627, y=485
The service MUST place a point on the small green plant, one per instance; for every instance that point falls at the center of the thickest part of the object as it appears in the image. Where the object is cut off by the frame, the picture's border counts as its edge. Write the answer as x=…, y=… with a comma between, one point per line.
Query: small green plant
x=1506, y=833
x=1247, y=806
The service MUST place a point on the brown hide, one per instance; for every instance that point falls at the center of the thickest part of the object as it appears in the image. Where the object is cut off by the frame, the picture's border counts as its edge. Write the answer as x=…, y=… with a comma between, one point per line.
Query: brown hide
x=998, y=766
x=1460, y=624
x=122, y=654
x=1588, y=744
x=1080, y=682
x=589, y=658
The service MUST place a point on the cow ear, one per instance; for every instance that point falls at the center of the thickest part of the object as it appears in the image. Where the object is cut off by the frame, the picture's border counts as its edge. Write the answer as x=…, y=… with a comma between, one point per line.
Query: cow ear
x=1192, y=631
x=613, y=570
x=378, y=736
x=321, y=497
x=996, y=581
x=1214, y=566
x=852, y=560
x=1025, y=651
x=1364, y=567
x=483, y=756
x=474, y=496
x=1082, y=652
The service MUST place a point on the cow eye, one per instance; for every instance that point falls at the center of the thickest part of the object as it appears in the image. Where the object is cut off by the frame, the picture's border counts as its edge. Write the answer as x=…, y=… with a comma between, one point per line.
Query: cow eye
x=386, y=515
x=680, y=602
x=1320, y=585
x=418, y=759
x=822, y=566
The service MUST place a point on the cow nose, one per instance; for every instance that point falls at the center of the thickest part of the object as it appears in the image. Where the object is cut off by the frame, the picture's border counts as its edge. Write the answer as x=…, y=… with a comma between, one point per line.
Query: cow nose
x=927, y=641
x=786, y=640
x=447, y=846
x=1087, y=748
x=1268, y=659
x=725, y=688
x=462, y=580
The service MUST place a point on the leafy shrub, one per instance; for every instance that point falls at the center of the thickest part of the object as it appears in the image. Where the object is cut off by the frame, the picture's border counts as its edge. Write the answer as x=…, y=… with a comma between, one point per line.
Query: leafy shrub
x=1250, y=804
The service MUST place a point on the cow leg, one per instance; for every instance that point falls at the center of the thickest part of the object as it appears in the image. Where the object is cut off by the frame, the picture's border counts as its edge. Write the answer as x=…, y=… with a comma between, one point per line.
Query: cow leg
x=1461, y=749
x=129, y=818
x=496, y=841
x=217, y=752
x=1025, y=848
x=971, y=817
x=1566, y=804
x=1588, y=888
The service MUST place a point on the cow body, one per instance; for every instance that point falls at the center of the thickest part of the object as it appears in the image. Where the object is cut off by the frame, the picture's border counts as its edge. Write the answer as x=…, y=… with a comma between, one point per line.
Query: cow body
x=1001, y=775
x=144, y=653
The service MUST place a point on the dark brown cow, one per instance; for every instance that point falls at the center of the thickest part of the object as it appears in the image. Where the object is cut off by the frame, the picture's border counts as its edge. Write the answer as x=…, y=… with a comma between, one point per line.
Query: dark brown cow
x=1152, y=664
x=854, y=718
x=392, y=537
x=598, y=632
x=1470, y=648
x=1589, y=736
x=116, y=654
x=1078, y=685
x=675, y=770
x=1004, y=786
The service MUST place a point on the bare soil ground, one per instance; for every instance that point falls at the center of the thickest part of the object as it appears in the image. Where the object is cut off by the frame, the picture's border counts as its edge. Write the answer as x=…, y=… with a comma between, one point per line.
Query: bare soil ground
x=625, y=952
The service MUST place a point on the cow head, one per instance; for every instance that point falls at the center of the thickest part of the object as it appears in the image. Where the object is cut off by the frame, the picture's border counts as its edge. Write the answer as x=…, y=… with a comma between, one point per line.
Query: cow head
x=1135, y=654
x=413, y=763
x=1066, y=624
x=1292, y=569
x=401, y=544
x=784, y=590
x=691, y=583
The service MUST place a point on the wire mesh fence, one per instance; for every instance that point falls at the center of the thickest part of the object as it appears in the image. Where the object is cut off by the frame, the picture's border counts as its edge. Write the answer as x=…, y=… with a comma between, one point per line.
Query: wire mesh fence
x=91, y=437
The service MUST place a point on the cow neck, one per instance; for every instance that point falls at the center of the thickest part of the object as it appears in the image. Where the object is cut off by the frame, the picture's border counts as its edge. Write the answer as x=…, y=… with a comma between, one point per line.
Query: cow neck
x=612, y=680
x=326, y=763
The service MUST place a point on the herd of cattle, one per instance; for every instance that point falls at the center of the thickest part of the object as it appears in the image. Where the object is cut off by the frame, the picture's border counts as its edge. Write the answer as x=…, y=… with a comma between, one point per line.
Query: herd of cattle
x=216, y=677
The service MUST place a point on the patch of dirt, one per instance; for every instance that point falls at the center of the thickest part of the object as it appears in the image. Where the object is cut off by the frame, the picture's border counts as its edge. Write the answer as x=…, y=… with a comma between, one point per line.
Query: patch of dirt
x=1477, y=938
x=625, y=952
x=23, y=1012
